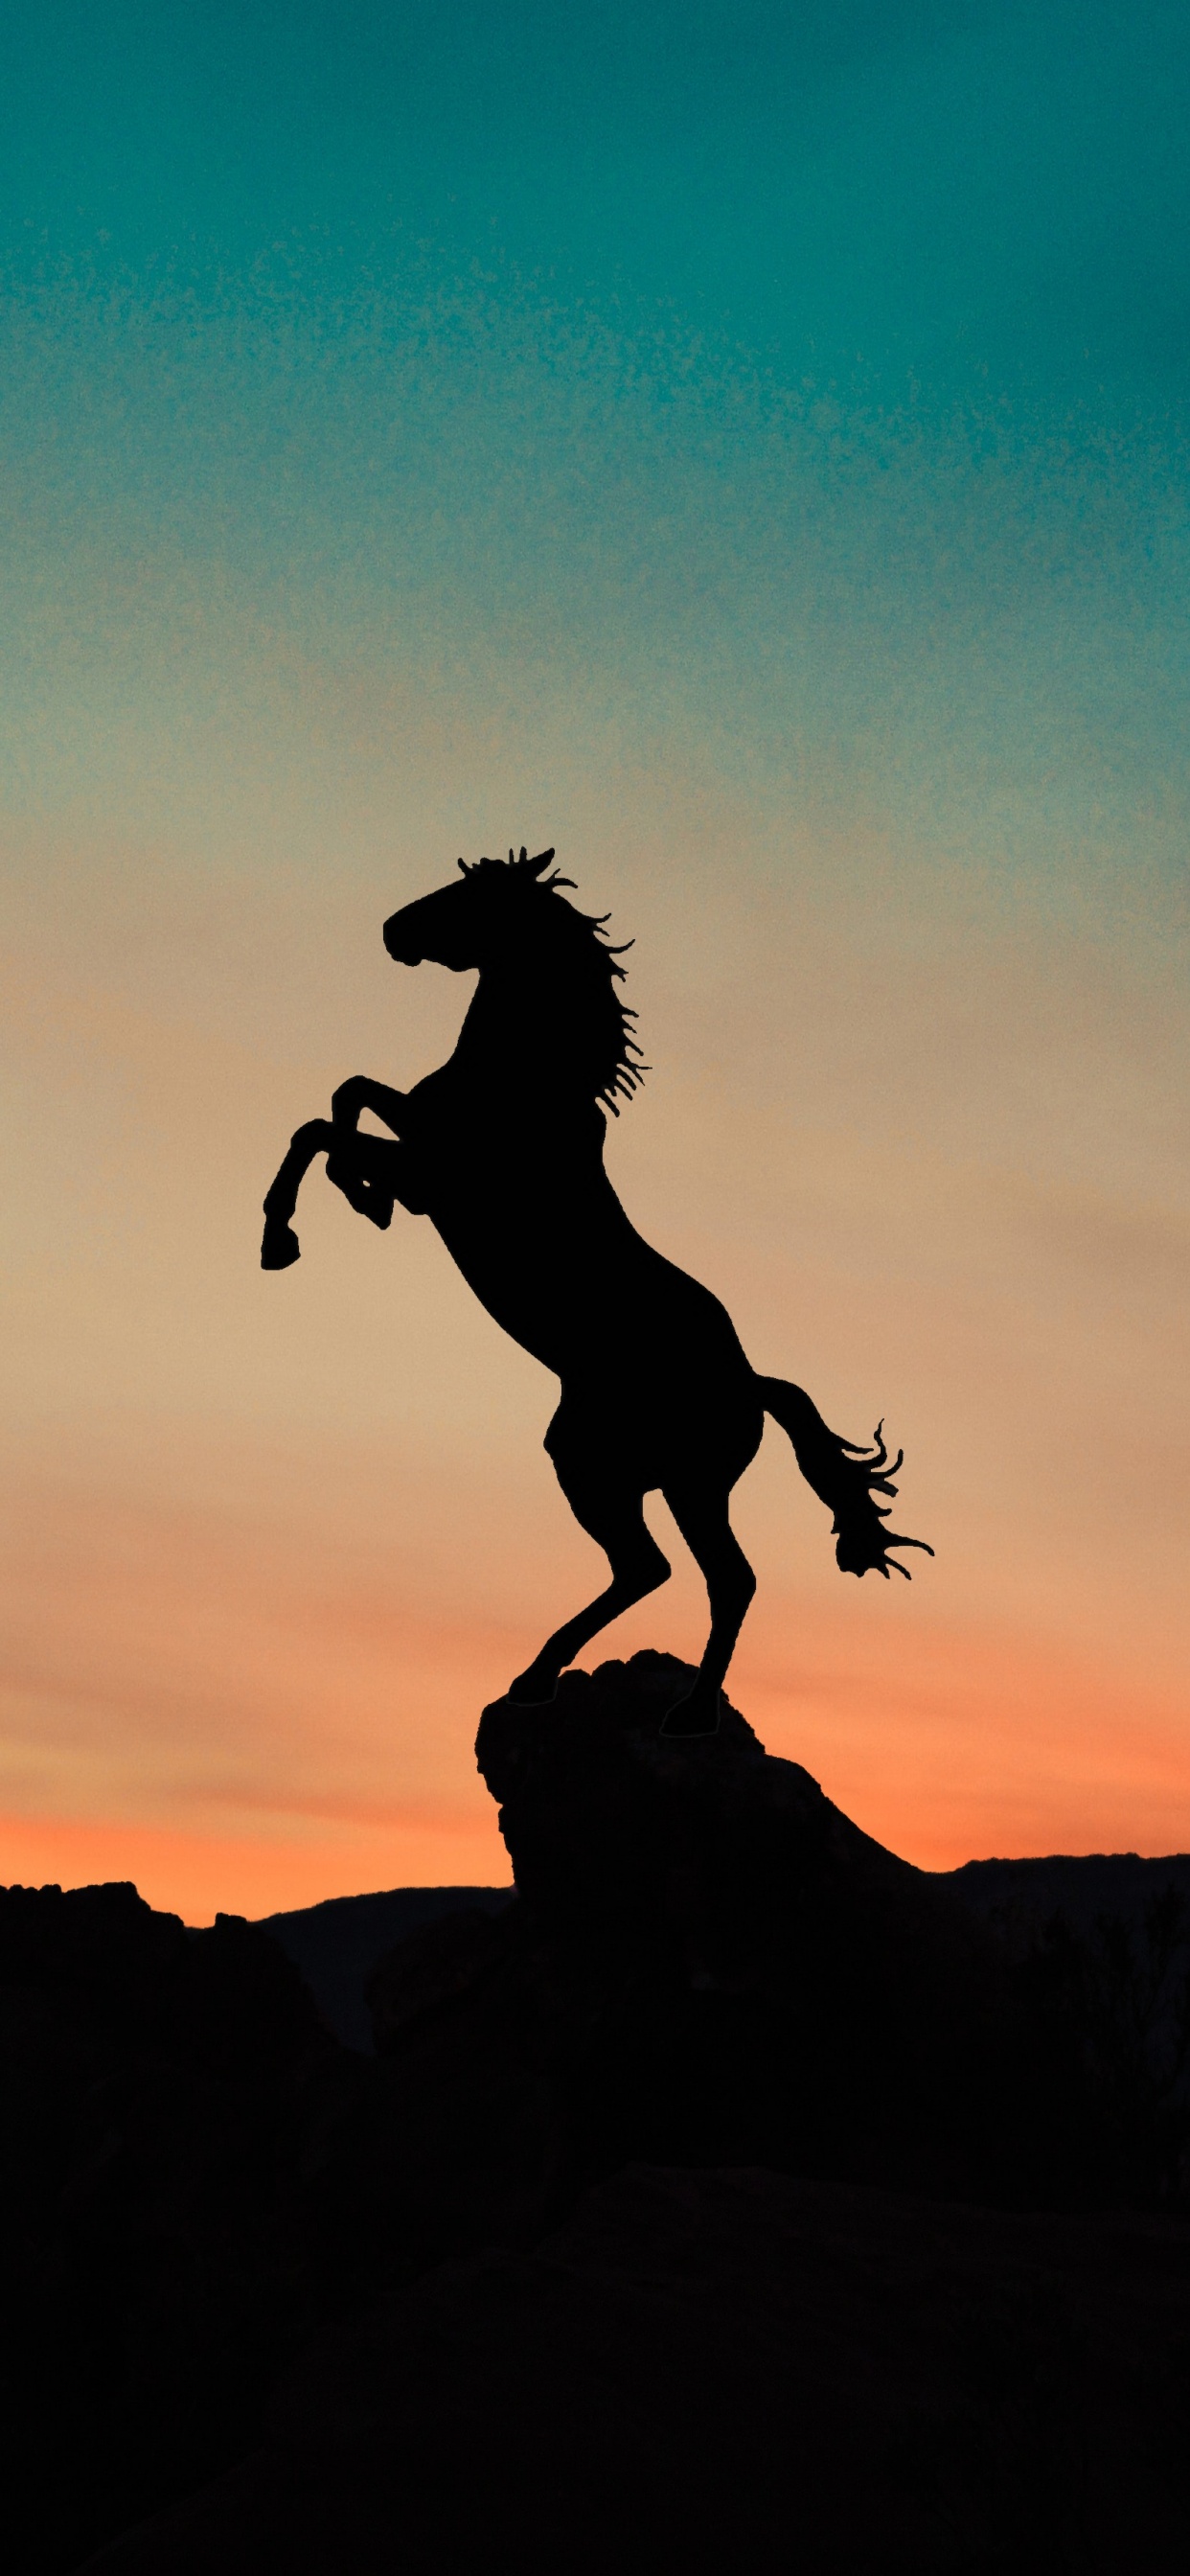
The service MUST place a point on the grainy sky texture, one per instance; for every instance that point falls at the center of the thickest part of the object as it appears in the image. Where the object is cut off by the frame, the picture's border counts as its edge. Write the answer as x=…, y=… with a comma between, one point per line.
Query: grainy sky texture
x=746, y=446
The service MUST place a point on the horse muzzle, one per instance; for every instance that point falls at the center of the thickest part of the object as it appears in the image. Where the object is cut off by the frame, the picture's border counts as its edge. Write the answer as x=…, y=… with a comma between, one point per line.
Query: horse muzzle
x=401, y=946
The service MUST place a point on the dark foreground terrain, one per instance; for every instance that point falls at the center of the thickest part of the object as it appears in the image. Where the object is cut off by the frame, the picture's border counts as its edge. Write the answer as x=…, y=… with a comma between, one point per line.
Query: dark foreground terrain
x=704, y=2370
x=736, y=2191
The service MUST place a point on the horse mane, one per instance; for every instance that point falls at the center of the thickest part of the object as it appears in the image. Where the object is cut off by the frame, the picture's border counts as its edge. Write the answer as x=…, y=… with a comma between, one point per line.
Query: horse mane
x=597, y=1023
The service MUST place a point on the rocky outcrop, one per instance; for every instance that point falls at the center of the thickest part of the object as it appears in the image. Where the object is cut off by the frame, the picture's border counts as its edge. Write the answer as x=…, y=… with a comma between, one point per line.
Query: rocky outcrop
x=728, y=1971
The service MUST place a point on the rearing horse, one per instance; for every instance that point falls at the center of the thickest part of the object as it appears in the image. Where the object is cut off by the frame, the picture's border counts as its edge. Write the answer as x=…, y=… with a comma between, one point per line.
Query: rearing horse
x=502, y=1148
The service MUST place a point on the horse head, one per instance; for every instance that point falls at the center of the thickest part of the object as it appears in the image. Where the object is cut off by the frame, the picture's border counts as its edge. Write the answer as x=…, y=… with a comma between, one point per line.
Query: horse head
x=556, y=970
x=468, y=924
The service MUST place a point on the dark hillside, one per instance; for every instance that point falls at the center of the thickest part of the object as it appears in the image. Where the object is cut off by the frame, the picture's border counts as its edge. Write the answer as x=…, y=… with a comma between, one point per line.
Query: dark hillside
x=865, y=2296
x=336, y=1945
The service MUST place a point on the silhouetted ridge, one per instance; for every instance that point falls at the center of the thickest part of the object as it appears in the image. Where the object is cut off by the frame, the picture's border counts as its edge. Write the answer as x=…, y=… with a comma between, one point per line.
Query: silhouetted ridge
x=400, y=2309
x=337, y=1944
x=158, y=2090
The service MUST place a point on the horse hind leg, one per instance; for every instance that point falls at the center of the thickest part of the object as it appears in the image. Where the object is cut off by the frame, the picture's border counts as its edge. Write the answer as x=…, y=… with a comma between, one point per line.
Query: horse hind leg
x=702, y=1517
x=617, y=1522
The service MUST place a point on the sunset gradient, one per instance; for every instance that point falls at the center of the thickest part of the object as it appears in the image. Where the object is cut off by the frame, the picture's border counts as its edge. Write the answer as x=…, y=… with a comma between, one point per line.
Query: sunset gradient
x=745, y=446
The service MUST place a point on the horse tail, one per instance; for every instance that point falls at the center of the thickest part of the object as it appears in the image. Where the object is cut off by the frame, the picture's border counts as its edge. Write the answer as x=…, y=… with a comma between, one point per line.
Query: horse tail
x=845, y=1476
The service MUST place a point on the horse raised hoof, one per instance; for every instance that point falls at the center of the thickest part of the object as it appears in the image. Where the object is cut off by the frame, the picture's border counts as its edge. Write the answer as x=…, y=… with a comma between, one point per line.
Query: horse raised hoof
x=280, y=1248
x=696, y=1714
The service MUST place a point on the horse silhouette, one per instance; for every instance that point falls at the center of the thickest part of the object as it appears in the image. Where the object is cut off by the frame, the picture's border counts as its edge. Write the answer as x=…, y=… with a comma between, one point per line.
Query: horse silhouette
x=502, y=1148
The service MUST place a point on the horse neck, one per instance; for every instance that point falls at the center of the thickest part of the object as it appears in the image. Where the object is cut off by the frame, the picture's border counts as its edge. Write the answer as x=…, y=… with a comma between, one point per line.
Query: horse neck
x=516, y=1027
x=493, y=1028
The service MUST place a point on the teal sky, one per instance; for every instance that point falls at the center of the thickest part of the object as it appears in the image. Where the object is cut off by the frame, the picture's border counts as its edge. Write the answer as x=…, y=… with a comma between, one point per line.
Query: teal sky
x=816, y=374
x=745, y=445
x=980, y=200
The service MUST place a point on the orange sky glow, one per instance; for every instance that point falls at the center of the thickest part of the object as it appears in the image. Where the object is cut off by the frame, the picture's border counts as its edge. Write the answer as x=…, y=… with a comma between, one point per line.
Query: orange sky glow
x=277, y=1540
x=771, y=491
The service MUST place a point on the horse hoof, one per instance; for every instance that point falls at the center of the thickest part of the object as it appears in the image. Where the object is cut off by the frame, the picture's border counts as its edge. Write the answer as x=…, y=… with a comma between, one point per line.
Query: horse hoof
x=696, y=1714
x=280, y=1248
x=532, y=1690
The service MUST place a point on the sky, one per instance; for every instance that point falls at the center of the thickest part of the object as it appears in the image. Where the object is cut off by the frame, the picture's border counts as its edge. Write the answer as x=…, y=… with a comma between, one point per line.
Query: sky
x=745, y=446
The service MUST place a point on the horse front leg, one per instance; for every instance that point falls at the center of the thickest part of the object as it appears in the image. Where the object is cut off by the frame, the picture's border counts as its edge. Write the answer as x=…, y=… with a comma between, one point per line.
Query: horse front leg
x=280, y=1246
x=360, y=1092
x=368, y=1169
x=371, y=1173
x=358, y=1165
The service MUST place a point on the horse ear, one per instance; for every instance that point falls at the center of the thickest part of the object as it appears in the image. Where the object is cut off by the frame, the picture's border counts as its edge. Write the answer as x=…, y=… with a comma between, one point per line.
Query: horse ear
x=466, y=870
x=539, y=864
